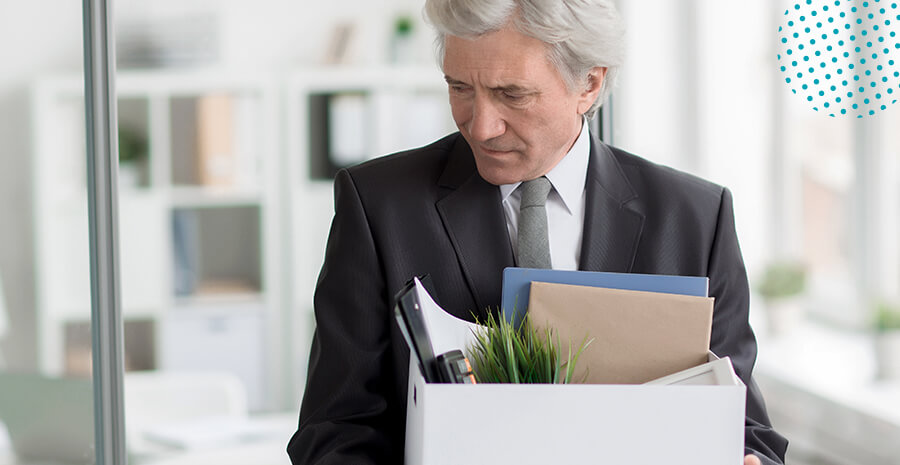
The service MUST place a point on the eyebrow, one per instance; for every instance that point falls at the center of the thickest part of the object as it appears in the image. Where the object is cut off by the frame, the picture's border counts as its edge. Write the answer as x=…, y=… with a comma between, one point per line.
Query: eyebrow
x=454, y=82
x=514, y=88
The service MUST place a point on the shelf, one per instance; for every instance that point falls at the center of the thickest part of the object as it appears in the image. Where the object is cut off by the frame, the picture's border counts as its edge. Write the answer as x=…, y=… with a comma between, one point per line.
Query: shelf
x=215, y=140
x=138, y=340
x=141, y=83
x=213, y=299
x=361, y=122
x=350, y=78
x=198, y=229
x=217, y=250
x=218, y=292
x=79, y=314
x=203, y=196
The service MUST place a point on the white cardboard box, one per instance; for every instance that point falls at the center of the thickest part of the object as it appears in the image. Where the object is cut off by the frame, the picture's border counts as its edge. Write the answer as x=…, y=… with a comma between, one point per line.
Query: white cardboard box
x=577, y=424
x=573, y=424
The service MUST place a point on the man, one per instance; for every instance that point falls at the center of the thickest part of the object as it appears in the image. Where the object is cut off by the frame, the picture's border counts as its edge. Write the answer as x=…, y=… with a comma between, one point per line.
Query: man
x=524, y=76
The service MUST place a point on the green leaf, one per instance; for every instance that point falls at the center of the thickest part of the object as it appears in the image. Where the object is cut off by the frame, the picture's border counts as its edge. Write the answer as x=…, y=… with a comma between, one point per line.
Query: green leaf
x=506, y=353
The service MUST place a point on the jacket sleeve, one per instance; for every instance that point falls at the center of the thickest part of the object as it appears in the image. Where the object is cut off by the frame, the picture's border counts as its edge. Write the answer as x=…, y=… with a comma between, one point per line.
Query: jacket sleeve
x=348, y=413
x=732, y=335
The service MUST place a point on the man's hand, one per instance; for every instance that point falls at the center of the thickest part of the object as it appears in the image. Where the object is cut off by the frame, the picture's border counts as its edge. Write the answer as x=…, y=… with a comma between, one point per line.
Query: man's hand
x=751, y=460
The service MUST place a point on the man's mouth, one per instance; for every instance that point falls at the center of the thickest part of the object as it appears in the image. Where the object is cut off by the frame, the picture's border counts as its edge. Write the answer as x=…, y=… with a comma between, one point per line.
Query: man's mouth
x=494, y=151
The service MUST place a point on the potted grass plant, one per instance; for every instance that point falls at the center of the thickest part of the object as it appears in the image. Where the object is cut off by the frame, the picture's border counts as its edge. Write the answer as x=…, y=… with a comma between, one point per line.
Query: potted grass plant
x=505, y=353
x=887, y=340
x=782, y=287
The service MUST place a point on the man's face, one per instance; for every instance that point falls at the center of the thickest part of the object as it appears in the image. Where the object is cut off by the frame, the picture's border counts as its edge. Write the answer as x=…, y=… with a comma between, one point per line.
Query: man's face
x=511, y=104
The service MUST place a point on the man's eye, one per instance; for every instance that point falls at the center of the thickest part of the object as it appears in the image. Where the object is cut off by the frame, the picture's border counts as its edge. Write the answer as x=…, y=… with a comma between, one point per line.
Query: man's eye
x=459, y=89
x=514, y=98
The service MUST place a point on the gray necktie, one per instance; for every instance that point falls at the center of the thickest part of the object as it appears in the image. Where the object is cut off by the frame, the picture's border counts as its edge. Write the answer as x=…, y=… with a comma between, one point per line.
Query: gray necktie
x=533, y=244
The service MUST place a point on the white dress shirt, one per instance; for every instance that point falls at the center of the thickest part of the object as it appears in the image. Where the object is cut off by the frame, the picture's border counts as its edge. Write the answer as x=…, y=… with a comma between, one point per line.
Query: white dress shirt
x=565, y=205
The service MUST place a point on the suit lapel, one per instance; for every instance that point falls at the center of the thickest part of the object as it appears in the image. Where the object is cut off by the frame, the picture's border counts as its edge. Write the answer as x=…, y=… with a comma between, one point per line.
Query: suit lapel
x=473, y=217
x=612, y=225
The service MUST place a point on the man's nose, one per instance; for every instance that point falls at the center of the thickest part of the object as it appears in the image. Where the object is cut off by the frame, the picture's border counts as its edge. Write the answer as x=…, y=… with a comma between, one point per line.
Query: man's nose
x=487, y=122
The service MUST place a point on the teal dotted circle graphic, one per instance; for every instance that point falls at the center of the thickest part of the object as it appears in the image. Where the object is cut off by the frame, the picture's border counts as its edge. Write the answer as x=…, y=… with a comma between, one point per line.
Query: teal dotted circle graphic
x=842, y=57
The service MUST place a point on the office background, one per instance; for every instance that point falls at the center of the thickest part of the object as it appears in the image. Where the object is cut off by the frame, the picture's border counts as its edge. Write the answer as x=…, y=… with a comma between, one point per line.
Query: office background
x=233, y=116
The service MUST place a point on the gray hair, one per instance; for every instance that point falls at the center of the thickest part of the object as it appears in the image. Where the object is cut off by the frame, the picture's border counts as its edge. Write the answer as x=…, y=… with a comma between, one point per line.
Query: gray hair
x=580, y=34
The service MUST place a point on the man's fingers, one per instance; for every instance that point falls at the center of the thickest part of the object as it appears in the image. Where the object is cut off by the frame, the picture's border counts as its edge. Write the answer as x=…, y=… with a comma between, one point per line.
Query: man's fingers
x=751, y=460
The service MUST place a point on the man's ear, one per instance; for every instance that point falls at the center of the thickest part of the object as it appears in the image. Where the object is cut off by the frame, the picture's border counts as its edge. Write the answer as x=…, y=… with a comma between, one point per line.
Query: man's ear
x=592, y=89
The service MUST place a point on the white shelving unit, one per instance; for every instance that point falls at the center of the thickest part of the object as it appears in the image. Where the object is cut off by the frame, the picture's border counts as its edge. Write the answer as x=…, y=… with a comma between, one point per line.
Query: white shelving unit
x=213, y=170
x=400, y=108
x=258, y=238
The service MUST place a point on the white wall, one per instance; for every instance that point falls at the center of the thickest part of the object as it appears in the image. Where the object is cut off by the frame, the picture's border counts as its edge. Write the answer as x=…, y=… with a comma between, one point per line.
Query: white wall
x=32, y=41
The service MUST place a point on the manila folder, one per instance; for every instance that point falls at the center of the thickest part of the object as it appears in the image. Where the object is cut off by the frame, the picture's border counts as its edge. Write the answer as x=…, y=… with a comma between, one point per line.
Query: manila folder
x=636, y=336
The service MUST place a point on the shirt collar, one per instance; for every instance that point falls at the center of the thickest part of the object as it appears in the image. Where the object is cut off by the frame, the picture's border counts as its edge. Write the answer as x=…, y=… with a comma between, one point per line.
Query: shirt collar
x=569, y=175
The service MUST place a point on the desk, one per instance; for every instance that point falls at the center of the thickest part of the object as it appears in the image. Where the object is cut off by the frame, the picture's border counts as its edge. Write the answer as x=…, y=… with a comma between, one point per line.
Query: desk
x=264, y=451
x=270, y=450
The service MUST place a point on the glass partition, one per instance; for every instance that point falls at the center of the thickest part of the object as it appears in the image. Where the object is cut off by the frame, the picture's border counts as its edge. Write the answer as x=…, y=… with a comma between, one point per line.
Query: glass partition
x=46, y=399
x=233, y=119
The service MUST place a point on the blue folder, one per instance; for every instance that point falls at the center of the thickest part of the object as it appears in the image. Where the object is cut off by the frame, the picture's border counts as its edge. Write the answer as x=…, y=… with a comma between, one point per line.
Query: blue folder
x=517, y=285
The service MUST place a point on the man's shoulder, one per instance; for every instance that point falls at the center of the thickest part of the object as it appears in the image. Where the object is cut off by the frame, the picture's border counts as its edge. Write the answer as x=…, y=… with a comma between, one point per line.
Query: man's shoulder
x=423, y=162
x=648, y=177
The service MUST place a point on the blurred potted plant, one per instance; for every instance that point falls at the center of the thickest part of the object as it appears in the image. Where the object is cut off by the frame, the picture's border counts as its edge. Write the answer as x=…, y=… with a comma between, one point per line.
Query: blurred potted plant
x=133, y=155
x=402, y=39
x=887, y=340
x=782, y=286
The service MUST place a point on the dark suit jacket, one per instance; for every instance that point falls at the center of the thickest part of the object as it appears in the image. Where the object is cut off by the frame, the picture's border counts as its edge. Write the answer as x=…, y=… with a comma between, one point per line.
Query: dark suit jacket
x=428, y=211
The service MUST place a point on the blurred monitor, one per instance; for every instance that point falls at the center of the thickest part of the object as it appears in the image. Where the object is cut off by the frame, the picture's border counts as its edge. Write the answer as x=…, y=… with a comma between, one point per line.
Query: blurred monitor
x=48, y=419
